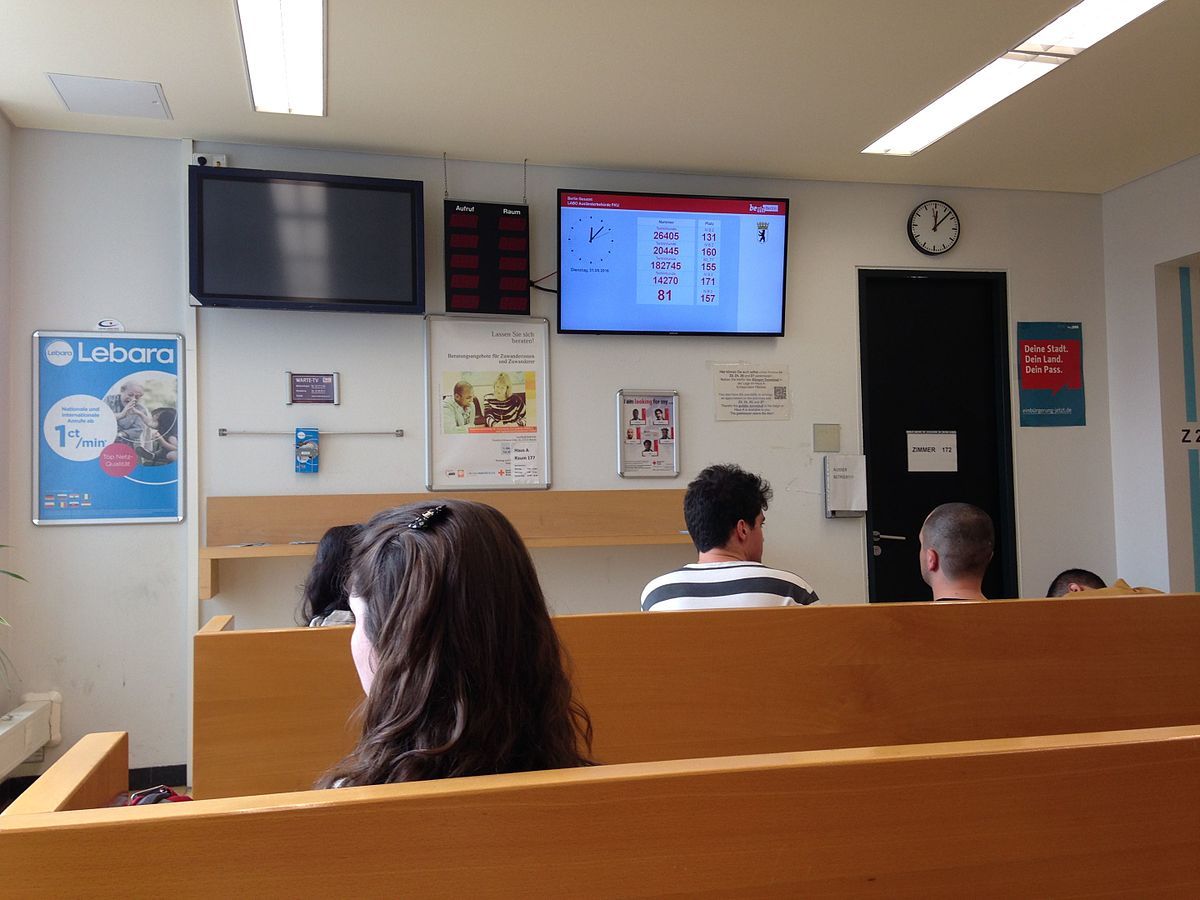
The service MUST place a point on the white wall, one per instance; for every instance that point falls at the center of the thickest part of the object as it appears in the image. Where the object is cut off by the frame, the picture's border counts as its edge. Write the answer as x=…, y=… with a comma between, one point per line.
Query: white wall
x=9, y=559
x=1172, y=390
x=1146, y=222
x=1048, y=243
x=99, y=233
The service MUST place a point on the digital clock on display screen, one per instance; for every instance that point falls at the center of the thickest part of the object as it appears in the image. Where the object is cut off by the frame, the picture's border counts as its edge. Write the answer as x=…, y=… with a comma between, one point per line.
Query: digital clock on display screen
x=591, y=240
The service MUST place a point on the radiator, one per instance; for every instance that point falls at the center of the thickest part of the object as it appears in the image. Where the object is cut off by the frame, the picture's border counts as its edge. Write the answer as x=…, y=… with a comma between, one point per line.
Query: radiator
x=32, y=725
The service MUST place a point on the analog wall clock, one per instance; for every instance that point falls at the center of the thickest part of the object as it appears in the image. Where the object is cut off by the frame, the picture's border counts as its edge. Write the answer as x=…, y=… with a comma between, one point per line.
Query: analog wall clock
x=590, y=239
x=933, y=227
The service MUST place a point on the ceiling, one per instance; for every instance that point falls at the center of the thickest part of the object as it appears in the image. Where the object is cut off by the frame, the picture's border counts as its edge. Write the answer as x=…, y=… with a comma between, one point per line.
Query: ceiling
x=774, y=88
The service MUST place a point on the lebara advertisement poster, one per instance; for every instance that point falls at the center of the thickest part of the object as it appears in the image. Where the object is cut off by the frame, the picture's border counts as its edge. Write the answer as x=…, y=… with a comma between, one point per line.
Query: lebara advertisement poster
x=108, y=429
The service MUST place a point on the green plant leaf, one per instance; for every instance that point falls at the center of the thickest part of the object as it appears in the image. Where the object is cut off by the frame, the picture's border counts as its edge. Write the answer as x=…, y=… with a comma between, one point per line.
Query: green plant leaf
x=4, y=621
x=13, y=575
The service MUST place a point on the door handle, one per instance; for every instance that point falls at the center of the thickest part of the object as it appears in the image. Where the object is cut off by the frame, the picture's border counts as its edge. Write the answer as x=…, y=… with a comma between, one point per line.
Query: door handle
x=876, y=536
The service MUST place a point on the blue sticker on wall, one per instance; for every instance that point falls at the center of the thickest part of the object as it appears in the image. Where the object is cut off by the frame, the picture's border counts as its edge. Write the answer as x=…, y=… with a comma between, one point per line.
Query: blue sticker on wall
x=308, y=451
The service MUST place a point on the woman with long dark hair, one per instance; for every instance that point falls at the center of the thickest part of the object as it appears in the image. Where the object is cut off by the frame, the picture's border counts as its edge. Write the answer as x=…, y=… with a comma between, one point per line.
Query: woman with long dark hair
x=456, y=651
x=326, y=598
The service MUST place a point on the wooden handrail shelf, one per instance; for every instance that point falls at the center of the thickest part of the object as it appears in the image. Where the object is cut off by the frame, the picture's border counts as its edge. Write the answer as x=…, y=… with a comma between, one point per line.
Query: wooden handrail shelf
x=288, y=526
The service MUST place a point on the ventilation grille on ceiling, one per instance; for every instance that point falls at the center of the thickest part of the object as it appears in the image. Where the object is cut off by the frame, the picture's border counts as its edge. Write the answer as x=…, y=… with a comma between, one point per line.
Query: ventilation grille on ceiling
x=111, y=96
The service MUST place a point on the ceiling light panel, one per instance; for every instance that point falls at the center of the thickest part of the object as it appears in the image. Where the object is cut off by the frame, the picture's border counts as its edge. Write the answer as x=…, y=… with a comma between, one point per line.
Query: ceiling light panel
x=284, y=45
x=1091, y=21
x=1074, y=31
x=987, y=87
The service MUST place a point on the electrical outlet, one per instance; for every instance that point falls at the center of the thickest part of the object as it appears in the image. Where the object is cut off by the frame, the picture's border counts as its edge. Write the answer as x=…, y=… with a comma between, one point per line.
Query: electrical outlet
x=216, y=160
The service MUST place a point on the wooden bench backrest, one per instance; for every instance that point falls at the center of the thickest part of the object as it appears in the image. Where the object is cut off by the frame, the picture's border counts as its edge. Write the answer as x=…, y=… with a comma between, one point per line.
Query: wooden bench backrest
x=272, y=707
x=87, y=776
x=1079, y=815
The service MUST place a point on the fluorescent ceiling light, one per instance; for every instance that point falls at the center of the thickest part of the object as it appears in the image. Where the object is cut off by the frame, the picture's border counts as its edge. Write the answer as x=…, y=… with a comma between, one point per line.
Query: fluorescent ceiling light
x=1069, y=34
x=1091, y=21
x=987, y=87
x=284, y=45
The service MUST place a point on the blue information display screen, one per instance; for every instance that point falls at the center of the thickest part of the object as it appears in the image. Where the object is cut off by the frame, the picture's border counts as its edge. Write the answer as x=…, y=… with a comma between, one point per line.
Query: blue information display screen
x=648, y=263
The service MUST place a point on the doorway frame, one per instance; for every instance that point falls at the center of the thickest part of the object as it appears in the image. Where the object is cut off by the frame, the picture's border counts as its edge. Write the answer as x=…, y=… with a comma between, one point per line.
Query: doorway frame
x=1009, y=559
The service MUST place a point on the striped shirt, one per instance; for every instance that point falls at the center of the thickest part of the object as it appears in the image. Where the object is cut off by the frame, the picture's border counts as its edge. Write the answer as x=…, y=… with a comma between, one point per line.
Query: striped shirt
x=726, y=585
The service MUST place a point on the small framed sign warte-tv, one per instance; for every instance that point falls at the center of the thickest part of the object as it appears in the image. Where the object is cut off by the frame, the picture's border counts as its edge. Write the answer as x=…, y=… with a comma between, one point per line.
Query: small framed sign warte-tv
x=308, y=387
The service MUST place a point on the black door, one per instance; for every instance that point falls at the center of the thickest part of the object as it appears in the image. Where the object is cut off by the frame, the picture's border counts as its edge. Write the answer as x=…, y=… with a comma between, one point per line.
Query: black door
x=934, y=359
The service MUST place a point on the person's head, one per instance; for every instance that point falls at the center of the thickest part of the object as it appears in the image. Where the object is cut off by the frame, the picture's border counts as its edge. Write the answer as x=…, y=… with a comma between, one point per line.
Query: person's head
x=327, y=586
x=502, y=388
x=723, y=508
x=132, y=391
x=164, y=419
x=454, y=646
x=1071, y=581
x=464, y=394
x=647, y=445
x=635, y=415
x=957, y=541
x=665, y=434
x=658, y=414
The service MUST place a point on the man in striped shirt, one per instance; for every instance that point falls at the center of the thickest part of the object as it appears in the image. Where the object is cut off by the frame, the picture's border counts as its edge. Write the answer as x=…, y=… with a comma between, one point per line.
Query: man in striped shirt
x=723, y=508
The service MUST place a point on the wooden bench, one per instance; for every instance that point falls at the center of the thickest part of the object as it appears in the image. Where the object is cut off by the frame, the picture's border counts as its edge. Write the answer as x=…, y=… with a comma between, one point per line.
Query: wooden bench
x=543, y=519
x=272, y=708
x=88, y=776
x=1112, y=814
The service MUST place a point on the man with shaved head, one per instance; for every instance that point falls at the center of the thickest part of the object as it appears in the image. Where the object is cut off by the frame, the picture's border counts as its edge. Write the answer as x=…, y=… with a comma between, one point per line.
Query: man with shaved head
x=957, y=541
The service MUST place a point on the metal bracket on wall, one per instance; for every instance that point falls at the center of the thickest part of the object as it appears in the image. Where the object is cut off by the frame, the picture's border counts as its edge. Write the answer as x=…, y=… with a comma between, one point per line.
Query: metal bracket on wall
x=226, y=432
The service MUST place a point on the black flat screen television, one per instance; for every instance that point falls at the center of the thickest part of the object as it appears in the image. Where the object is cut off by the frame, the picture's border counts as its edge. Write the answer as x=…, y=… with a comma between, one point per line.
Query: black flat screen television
x=292, y=240
x=636, y=263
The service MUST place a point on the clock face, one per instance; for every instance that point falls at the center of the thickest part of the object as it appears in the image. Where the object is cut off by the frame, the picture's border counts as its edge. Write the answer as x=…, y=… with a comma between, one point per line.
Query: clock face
x=933, y=227
x=591, y=240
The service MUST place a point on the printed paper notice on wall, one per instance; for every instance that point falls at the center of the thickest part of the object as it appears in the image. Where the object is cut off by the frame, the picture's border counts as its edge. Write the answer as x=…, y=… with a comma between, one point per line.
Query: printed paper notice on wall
x=932, y=451
x=1050, y=360
x=745, y=391
x=845, y=485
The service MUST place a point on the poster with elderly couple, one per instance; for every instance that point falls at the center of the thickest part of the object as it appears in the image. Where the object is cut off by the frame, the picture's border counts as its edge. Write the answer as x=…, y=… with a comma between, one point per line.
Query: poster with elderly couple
x=487, y=402
x=108, y=427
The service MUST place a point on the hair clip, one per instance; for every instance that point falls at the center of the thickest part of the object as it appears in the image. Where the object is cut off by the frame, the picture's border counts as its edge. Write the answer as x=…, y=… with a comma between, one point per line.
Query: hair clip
x=425, y=519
